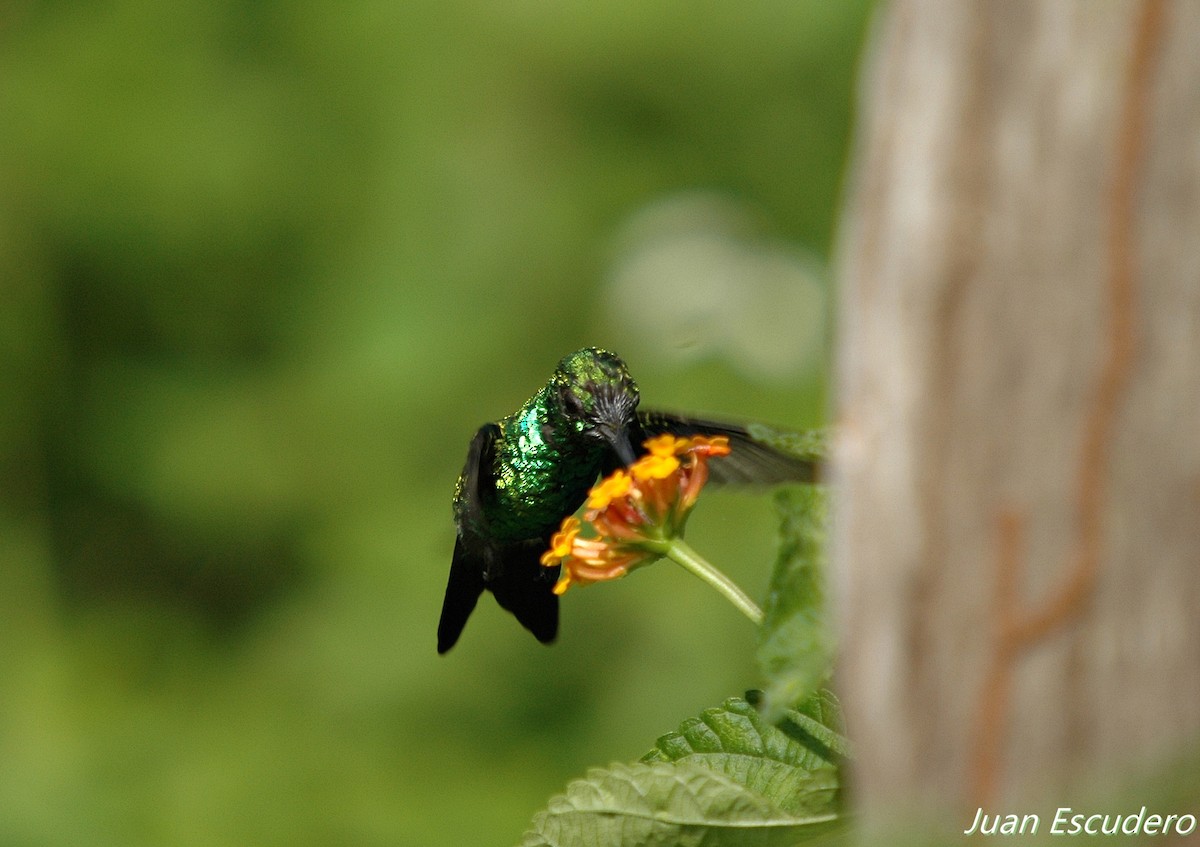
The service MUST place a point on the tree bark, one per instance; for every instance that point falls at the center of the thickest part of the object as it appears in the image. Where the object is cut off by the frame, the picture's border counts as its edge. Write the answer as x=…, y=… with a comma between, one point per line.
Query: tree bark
x=1017, y=531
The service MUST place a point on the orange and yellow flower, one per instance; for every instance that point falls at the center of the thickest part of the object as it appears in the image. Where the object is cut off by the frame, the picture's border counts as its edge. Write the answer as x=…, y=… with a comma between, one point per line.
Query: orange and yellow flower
x=634, y=513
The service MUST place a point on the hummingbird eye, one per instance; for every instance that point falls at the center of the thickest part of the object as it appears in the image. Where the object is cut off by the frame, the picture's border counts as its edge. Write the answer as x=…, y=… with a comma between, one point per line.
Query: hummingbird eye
x=572, y=405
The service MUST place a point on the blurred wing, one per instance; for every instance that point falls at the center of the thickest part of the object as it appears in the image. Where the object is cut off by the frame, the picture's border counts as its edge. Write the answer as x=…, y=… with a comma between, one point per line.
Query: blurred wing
x=752, y=460
x=471, y=552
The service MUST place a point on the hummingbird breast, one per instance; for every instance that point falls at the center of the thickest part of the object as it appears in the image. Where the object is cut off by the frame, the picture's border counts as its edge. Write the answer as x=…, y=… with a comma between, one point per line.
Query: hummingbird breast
x=542, y=473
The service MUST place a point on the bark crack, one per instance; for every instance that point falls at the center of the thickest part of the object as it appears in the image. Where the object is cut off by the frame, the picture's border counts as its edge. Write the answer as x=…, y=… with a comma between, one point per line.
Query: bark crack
x=1015, y=634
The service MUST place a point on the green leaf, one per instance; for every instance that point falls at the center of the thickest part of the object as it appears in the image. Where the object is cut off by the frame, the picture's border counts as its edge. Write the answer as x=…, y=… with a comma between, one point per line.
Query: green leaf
x=816, y=724
x=781, y=764
x=658, y=803
x=795, y=648
x=725, y=779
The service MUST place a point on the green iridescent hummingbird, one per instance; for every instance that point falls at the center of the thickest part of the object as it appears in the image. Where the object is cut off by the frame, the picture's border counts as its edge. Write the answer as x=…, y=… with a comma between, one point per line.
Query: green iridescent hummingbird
x=526, y=472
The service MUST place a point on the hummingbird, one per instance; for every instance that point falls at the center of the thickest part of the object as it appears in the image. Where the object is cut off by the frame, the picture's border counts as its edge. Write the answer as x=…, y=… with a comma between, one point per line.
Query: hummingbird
x=526, y=472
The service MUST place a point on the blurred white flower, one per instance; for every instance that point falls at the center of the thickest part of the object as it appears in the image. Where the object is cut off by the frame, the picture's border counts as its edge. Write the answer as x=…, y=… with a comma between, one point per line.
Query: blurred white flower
x=720, y=287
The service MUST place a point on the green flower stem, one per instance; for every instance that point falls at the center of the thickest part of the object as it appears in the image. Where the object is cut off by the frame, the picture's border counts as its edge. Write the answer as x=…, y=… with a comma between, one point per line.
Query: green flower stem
x=679, y=552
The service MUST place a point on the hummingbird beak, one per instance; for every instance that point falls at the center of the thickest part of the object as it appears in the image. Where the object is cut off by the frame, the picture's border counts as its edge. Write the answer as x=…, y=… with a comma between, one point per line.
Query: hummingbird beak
x=618, y=438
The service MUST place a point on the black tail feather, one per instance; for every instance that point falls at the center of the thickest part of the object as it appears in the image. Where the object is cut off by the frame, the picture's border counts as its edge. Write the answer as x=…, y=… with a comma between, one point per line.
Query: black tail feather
x=514, y=574
x=526, y=588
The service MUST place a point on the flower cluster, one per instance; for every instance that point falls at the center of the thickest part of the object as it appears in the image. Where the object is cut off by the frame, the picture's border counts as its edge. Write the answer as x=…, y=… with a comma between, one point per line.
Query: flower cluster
x=634, y=513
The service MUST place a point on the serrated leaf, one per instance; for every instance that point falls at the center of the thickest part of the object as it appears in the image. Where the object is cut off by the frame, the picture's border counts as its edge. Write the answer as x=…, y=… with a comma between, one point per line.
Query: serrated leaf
x=795, y=646
x=817, y=725
x=678, y=804
x=769, y=760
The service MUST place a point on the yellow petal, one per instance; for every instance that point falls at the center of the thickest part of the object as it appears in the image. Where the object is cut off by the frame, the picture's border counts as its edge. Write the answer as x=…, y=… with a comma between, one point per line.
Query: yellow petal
x=564, y=582
x=609, y=489
x=561, y=542
x=664, y=445
x=654, y=466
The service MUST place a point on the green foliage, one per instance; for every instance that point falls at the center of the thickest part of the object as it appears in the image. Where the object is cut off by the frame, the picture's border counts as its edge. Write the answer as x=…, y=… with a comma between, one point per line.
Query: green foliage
x=660, y=804
x=817, y=724
x=732, y=776
x=795, y=642
x=724, y=778
x=264, y=268
x=796, y=771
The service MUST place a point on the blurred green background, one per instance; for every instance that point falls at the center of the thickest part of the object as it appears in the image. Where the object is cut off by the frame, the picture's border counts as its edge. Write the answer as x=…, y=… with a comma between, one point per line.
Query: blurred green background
x=264, y=268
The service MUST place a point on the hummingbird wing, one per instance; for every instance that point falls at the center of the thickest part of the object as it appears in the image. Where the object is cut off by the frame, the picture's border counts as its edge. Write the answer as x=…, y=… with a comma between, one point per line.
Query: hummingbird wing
x=462, y=593
x=754, y=457
x=471, y=559
x=512, y=572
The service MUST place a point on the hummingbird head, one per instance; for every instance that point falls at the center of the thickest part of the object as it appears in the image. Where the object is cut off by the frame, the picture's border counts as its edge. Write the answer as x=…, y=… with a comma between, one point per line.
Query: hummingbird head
x=598, y=399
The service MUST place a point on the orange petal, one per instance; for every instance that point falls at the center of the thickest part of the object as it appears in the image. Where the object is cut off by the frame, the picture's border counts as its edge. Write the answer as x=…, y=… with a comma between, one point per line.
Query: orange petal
x=716, y=445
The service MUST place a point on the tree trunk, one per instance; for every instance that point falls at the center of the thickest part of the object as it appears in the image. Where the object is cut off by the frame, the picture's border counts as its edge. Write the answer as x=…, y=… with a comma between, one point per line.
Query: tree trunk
x=1017, y=533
